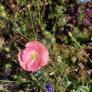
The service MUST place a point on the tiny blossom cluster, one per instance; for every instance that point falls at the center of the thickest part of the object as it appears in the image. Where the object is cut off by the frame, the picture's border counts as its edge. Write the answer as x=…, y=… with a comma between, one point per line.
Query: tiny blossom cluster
x=48, y=88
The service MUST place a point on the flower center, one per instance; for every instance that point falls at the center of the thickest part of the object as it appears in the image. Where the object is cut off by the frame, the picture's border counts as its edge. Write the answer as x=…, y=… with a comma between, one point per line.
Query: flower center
x=34, y=56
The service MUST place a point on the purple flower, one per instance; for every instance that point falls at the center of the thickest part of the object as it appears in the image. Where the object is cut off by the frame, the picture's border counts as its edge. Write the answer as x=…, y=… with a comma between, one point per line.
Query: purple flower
x=48, y=88
x=83, y=0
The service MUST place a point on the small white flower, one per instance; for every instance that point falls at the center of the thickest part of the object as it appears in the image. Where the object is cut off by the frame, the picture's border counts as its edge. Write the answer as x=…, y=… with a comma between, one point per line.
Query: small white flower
x=59, y=58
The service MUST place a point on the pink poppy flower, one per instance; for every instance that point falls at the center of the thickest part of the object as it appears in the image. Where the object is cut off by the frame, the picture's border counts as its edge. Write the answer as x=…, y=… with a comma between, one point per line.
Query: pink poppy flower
x=34, y=56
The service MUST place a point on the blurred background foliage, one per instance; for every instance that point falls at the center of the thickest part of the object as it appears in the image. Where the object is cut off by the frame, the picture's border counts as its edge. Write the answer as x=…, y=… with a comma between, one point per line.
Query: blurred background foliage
x=64, y=27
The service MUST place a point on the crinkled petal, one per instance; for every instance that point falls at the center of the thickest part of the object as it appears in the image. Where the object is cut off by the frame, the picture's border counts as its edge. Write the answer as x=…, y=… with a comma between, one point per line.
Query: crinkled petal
x=42, y=50
x=33, y=66
x=34, y=43
x=44, y=57
x=20, y=55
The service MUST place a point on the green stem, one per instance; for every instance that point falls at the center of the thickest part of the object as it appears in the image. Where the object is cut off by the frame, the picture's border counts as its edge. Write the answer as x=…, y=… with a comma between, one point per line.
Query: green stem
x=70, y=34
x=32, y=22
x=3, y=81
x=38, y=6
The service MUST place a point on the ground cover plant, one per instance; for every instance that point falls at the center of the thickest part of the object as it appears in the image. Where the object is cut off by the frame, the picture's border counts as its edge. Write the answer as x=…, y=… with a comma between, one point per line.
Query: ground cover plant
x=63, y=57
